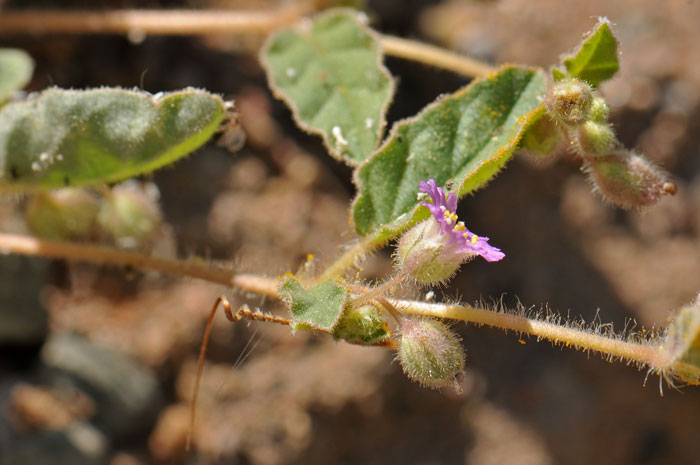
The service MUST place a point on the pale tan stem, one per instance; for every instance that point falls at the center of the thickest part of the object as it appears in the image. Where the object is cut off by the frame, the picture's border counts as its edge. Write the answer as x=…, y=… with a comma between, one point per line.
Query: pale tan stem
x=207, y=22
x=645, y=354
x=434, y=56
x=150, y=22
x=25, y=245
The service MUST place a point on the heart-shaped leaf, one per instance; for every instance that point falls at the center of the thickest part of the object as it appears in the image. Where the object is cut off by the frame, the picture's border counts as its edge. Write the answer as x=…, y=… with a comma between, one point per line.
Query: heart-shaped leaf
x=465, y=137
x=329, y=71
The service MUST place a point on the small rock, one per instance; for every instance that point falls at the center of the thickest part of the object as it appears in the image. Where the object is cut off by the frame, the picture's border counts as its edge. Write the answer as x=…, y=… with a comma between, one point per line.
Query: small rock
x=81, y=444
x=23, y=320
x=126, y=393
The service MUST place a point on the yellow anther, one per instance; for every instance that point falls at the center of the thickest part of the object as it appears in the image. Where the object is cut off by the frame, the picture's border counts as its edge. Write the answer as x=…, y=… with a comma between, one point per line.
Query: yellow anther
x=475, y=238
x=460, y=226
x=309, y=257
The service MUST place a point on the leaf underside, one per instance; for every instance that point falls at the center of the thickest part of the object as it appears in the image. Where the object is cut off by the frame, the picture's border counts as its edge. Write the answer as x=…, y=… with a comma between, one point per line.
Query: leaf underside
x=596, y=59
x=319, y=307
x=465, y=137
x=66, y=137
x=330, y=73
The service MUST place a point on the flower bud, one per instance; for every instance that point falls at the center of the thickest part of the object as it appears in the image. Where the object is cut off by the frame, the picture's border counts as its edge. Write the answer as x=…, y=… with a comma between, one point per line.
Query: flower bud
x=569, y=101
x=542, y=138
x=593, y=138
x=628, y=179
x=129, y=215
x=64, y=214
x=429, y=352
x=599, y=109
x=364, y=325
x=680, y=350
x=428, y=259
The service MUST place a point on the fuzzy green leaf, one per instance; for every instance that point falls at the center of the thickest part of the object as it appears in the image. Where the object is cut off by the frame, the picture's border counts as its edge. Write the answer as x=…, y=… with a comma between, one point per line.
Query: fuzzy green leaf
x=65, y=137
x=329, y=71
x=465, y=137
x=16, y=69
x=319, y=307
x=596, y=59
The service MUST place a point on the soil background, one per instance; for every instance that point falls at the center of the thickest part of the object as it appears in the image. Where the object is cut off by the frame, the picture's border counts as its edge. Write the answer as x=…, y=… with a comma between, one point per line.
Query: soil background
x=271, y=398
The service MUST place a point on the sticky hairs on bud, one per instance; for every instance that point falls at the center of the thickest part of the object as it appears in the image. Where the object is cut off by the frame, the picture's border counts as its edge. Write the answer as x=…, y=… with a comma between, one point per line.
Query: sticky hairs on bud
x=628, y=179
x=569, y=101
x=429, y=352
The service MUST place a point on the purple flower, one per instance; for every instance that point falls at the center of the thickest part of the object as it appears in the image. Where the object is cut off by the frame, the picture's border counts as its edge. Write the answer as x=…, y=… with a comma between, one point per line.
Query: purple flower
x=459, y=239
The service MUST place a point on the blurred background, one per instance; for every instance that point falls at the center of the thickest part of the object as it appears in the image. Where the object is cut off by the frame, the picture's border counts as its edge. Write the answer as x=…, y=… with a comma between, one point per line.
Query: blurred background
x=97, y=363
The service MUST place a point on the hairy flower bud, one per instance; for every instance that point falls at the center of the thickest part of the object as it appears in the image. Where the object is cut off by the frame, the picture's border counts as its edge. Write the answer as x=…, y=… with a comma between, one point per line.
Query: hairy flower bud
x=569, y=101
x=363, y=325
x=628, y=179
x=599, y=109
x=64, y=214
x=129, y=215
x=429, y=352
x=594, y=138
x=542, y=138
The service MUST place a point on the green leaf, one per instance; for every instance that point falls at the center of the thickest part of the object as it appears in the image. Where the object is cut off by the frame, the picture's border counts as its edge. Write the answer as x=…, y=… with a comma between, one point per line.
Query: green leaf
x=329, y=71
x=65, y=137
x=596, y=59
x=319, y=307
x=16, y=69
x=465, y=137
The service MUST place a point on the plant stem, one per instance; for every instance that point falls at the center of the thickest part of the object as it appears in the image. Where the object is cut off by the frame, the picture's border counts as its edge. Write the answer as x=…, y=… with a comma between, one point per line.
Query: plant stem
x=644, y=354
x=207, y=22
x=368, y=294
x=350, y=257
x=434, y=56
x=150, y=22
x=25, y=245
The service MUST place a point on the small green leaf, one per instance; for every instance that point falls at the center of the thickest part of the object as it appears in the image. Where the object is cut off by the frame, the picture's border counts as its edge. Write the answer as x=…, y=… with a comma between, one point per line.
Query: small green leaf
x=65, y=137
x=319, y=307
x=329, y=71
x=596, y=59
x=465, y=137
x=16, y=69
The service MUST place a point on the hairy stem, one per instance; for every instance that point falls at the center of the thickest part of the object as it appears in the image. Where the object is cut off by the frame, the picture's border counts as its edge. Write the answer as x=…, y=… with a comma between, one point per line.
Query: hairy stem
x=207, y=22
x=350, y=257
x=25, y=245
x=372, y=293
x=645, y=354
